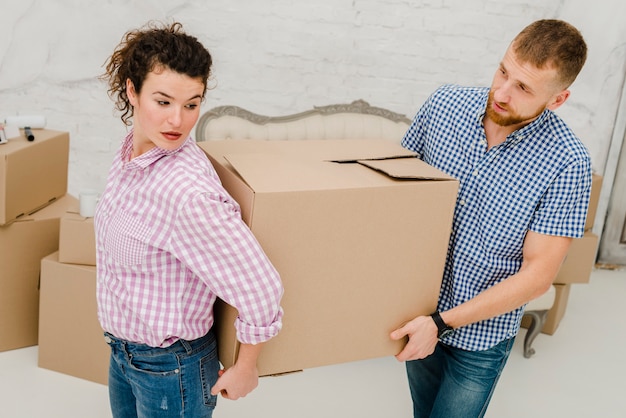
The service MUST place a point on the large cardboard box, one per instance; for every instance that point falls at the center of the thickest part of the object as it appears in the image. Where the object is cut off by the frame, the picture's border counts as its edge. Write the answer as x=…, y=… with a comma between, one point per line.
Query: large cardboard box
x=596, y=187
x=579, y=260
x=71, y=340
x=556, y=313
x=77, y=241
x=358, y=231
x=32, y=174
x=22, y=245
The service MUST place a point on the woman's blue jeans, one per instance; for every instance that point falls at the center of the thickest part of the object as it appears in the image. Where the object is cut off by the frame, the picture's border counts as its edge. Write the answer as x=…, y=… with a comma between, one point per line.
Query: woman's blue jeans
x=149, y=382
x=455, y=383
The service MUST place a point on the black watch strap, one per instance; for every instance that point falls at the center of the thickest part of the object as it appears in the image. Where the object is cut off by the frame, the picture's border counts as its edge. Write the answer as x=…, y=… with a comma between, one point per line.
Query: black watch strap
x=443, y=329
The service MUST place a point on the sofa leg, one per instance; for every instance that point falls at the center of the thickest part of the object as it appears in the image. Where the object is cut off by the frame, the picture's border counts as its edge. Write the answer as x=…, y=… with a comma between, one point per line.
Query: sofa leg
x=538, y=319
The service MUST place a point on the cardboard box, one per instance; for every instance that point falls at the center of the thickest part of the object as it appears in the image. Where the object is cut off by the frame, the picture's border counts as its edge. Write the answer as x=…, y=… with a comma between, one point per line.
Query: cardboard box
x=556, y=313
x=32, y=174
x=579, y=261
x=77, y=242
x=358, y=232
x=596, y=187
x=71, y=340
x=22, y=245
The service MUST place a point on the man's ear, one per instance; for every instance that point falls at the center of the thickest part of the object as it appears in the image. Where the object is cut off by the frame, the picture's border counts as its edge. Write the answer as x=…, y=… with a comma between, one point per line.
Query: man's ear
x=558, y=100
x=130, y=92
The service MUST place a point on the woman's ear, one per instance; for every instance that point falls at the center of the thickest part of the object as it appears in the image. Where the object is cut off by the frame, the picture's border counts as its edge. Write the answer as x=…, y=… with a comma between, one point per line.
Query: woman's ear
x=130, y=92
x=558, y=100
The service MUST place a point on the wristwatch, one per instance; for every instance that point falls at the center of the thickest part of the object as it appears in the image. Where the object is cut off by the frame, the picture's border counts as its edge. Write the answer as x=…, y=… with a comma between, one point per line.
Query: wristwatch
x=443, y=329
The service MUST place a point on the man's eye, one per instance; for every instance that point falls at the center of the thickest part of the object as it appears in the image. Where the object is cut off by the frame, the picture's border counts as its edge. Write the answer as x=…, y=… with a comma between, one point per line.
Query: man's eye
x=163, y=102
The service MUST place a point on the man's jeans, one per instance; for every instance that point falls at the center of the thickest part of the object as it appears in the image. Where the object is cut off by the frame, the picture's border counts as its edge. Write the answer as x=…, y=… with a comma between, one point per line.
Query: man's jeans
x=454, y=383
x=149, y=382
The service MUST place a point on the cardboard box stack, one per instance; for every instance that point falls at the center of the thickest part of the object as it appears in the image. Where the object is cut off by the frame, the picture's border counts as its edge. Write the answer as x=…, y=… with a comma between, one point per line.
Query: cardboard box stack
x=577, y=266
x=358, y=232
x=33, y=186
x=68, y=303
x=40, y=302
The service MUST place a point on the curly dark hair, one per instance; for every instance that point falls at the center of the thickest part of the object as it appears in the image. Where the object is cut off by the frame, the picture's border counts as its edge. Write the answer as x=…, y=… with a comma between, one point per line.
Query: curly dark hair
x=154, y=46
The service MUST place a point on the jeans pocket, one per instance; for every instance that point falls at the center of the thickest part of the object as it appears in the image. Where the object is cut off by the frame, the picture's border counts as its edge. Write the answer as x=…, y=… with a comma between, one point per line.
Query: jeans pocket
x=157, y=365
x=209, y=368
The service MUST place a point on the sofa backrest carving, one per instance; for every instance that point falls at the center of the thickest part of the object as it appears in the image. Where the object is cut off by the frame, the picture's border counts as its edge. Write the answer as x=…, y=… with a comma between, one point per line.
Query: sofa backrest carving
x=357, y=120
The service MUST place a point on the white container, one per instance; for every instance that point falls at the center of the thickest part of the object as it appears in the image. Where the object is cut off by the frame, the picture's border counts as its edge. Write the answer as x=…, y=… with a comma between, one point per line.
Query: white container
x=88, y=200
x=22, y=121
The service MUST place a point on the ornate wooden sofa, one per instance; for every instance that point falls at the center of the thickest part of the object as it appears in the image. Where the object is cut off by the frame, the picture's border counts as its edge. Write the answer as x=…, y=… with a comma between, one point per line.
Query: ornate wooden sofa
x=356, y=120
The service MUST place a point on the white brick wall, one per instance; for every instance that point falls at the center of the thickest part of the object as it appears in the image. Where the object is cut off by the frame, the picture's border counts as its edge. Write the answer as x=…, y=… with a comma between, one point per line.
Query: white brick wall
x=279, y=56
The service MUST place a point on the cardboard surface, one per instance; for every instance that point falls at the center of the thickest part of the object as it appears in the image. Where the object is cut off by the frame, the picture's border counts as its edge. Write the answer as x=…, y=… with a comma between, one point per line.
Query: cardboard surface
x=77, y=241
x=596, y=186
x=579, y=261
x=71, y=340
x=22, y=245
x=32, y=174
x=359, y=251
x=556, y=313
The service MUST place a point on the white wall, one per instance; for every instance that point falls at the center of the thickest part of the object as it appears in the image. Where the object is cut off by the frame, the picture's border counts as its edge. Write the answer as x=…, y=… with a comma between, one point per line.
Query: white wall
x=279, y=56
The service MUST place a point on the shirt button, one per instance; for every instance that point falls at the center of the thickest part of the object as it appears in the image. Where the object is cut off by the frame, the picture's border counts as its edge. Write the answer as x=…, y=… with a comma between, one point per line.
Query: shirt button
x=475, y=172
x=462, y=202
x=108, y=340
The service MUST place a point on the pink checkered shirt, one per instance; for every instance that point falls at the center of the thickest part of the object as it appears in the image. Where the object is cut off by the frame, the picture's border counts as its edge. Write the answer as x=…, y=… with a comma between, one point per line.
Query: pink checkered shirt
x=169, y=241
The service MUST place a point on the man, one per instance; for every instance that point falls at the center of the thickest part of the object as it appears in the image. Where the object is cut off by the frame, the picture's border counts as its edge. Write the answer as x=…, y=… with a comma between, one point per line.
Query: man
x=525, y=180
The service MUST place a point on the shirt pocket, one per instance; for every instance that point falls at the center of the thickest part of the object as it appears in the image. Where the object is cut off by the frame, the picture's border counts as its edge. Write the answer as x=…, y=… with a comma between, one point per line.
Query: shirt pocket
x=127, y=240
x=508, y=210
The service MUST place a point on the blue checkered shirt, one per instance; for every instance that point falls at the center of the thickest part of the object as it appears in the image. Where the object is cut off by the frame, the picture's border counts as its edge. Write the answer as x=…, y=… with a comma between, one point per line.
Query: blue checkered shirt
x=539, y=179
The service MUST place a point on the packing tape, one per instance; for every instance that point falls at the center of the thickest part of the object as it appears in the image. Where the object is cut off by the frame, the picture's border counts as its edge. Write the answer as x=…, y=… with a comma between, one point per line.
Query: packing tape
x=22, y=121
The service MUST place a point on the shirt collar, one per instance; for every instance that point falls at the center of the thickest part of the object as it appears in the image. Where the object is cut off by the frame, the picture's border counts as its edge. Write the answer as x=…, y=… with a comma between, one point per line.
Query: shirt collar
x=147, y=158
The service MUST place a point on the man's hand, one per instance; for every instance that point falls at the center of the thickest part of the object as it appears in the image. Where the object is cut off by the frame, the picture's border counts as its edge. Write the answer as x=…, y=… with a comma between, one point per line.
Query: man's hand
x=236, y=382
x=422, y=333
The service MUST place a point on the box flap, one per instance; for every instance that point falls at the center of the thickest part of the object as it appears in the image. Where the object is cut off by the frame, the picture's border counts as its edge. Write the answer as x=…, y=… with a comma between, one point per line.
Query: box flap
x=265, y=173
x=406, y=168
x=55, y=210
x=355, y=150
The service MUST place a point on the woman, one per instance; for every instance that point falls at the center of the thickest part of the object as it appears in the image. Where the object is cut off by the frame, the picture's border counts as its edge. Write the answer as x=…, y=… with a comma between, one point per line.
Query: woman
x=170, y=240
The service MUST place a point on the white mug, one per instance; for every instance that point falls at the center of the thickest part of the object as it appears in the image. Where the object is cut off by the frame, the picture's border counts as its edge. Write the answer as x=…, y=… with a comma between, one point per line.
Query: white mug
x=88, y=200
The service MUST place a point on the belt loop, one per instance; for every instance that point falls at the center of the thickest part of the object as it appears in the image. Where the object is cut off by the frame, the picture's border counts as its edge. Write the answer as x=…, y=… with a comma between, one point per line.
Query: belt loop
x=186, y=345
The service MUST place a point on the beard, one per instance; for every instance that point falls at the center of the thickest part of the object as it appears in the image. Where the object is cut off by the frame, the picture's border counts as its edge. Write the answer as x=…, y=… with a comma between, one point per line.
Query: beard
x=509, y=119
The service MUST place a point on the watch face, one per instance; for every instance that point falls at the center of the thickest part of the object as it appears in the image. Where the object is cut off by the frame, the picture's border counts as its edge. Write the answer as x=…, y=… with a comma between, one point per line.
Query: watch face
x=445, y=333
